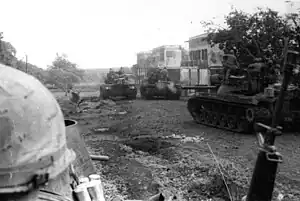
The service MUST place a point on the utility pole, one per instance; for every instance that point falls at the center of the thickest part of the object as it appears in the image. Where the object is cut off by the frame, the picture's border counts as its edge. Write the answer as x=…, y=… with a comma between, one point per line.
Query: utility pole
x=26, y=62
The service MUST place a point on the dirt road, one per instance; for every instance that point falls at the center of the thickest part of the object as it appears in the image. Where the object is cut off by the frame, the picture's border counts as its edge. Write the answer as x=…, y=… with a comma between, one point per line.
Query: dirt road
x=155, y=146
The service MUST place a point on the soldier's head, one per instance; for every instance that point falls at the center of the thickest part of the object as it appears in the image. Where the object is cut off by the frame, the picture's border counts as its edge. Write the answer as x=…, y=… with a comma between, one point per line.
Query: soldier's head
x=110, y=70
x=33, y=148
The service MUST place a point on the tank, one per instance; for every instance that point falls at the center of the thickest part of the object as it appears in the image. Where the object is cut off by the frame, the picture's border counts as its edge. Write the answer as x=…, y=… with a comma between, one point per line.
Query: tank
x=161, y=89
x=158, y=85
x=246, y=96
x=118, y=85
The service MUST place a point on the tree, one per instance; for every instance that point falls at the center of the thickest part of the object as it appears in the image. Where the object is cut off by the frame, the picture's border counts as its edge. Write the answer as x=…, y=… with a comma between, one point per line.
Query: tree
x=251, y=36
x=7, y=52
x=64, y=73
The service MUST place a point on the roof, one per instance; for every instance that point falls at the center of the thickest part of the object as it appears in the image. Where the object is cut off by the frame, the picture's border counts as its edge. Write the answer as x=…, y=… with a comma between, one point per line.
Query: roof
x=144, y=52
x=167, y=46
x=198, y=36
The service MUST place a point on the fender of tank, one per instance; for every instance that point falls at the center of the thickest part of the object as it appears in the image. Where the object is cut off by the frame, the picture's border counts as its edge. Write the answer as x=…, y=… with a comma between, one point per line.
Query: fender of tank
x=243, y=101
x=128, y=91
x=161, y=89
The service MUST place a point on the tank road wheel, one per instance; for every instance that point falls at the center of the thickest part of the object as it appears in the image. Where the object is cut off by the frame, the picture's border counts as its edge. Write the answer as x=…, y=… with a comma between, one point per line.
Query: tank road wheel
x=250, y=114
x=214, y=118
x=206, y=117
x=201, y=116
x=222, y=120
x=210, y=117
x=243, y=126
x=193, y=110
x=194, y=115
x=231, y=122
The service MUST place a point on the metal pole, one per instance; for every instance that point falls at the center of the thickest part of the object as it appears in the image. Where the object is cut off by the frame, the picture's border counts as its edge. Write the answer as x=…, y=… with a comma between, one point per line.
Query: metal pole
x=26, y=62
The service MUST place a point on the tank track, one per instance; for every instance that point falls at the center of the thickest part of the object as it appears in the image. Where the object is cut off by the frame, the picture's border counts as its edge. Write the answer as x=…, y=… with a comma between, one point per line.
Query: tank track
x=232, y=116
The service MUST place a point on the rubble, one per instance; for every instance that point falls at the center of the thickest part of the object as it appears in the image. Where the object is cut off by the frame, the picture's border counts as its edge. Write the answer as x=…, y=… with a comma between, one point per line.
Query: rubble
x=164, y=152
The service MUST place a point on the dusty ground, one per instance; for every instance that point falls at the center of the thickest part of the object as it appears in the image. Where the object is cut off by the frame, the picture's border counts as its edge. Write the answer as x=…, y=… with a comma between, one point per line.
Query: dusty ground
x=155, y=146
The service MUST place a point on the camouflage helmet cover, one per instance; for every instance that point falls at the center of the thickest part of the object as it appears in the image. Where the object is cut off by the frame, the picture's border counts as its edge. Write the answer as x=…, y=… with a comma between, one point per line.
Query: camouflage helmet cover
x=32, y=133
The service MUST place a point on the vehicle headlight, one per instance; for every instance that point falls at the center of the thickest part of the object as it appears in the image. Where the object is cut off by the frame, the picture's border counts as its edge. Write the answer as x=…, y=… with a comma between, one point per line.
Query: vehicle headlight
x=132, y=87
x=107, y=88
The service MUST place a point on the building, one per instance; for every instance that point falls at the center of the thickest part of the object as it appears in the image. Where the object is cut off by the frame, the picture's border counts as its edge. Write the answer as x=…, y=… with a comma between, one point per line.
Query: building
x=293, y=7
x=203, y=57
x=169, y=56
x=143, y=60
x=202, y=54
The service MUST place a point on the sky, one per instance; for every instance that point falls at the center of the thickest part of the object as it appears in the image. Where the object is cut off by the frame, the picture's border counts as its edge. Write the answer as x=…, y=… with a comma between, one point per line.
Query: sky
x=108, y=33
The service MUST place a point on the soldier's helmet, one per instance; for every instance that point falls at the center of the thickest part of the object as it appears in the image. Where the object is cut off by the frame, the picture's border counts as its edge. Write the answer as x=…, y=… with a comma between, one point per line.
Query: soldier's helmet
x=33, y=145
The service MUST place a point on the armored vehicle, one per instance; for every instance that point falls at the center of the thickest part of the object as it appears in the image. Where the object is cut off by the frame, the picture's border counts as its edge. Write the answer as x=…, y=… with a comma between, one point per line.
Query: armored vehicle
x=158, y=85
x=118, y=85
x=246, y=95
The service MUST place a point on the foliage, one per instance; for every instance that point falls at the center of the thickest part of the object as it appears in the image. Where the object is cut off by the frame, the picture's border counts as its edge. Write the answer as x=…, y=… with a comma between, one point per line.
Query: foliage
x=258, y=35
x=64, y=73
x=8, y=57
x=33, y=70
x=7, y=52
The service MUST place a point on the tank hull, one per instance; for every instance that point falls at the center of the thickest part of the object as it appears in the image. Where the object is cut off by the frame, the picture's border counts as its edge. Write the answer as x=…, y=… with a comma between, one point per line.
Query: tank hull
x=239, y=113
x=129, y=91
x=154, y=91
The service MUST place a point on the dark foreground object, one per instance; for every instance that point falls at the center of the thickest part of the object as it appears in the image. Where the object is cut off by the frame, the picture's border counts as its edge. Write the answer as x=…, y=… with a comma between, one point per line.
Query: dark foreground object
x=83, y=164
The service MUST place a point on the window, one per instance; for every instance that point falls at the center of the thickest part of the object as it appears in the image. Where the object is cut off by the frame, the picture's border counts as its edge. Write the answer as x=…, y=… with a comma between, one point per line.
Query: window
x=205, y=54
x=170, y=54
x=161, y=56
x=191, y=55
x=198, y=54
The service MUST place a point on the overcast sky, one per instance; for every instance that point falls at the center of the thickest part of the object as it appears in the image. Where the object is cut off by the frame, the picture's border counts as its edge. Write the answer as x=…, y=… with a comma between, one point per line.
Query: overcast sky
x=108, y=33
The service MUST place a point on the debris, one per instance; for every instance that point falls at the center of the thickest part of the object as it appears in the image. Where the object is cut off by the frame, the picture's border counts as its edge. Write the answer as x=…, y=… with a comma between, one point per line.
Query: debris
x=184, y=138
x=101, y=129
x=280, y=197
x=99, y=158
x=107, y=102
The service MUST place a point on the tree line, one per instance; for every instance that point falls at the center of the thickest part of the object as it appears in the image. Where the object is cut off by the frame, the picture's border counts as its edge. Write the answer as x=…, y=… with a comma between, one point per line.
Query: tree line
x=62, y=73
